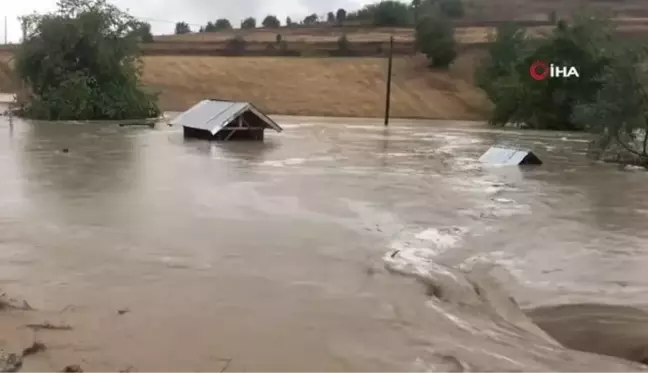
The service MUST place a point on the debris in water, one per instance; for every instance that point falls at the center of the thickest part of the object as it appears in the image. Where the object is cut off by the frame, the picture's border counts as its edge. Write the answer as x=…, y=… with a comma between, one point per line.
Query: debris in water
x=49, y=326
x=74, y=368
x=13, y=304
x=393, y=255
x=34, y=349
x=128, y=369
x=65, y=150
x=10, y=362
x=123, y=311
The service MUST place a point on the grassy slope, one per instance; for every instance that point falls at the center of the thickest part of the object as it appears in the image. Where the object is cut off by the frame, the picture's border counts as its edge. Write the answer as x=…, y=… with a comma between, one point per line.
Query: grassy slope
x=318, y=86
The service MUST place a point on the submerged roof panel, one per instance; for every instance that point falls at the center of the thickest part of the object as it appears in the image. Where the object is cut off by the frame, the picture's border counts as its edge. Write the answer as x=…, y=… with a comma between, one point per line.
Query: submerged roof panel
x=214, y=115
x=508, y=156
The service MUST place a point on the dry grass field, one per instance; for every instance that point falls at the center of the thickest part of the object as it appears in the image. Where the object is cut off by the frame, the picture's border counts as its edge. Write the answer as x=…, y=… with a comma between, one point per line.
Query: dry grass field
x=352, y=87
x=317, y=86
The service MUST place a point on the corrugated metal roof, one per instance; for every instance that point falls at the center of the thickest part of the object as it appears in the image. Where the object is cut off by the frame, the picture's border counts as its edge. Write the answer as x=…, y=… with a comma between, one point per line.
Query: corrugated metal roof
x=509, y=156
x=214, y=115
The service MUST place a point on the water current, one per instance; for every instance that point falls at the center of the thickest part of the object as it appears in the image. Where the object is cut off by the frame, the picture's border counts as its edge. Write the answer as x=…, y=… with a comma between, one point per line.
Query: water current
x=331, y=246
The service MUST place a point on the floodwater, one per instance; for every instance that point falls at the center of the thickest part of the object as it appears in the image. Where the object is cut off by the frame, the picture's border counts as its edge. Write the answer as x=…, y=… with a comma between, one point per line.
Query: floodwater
x=271, y=256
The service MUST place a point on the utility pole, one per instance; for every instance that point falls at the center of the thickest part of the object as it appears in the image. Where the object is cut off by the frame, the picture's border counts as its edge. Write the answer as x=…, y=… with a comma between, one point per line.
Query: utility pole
x=5, y=30
x=389, y=76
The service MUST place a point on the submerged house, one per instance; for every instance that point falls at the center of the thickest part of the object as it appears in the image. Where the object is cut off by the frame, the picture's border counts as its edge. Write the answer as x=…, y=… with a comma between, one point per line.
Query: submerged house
x=221, y=120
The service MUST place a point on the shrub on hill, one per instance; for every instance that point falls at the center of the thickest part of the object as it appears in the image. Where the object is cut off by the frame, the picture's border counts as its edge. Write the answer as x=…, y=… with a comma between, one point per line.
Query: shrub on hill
x=81, y=62
x=435, y=38
x=236, y=44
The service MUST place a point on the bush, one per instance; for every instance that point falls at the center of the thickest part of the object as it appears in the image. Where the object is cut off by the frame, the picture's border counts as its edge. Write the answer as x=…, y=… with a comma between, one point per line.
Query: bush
x=236, y=44
x=435, y=38
x=82, y=63
x=343, y=45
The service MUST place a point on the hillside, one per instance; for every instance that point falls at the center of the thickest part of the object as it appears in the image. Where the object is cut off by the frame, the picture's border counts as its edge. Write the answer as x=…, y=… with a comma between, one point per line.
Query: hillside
x=190, y=67
x=317, y=86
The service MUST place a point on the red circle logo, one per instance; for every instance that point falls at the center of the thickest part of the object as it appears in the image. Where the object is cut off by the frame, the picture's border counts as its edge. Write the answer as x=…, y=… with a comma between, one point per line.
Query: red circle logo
x=539, y=70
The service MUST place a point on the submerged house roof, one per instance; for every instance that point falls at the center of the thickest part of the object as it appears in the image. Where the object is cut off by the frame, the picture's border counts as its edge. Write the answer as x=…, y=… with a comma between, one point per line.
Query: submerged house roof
x=214, y=115
x=498, y=155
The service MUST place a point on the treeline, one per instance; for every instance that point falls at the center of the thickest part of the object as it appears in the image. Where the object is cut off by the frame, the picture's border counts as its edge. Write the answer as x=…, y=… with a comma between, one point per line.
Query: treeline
x=386, y=13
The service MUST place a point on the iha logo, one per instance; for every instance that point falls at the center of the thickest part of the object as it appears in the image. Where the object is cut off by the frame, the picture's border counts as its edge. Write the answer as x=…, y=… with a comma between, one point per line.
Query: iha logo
x=541, y=70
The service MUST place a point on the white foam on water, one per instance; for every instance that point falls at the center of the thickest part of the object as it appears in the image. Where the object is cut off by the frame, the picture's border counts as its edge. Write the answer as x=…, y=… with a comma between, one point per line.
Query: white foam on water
x=297, y=125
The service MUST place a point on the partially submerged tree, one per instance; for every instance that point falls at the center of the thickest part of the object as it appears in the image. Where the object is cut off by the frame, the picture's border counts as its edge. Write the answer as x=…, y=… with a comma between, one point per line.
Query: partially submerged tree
x=81, y=62
x=619, y=112
x=546, y=104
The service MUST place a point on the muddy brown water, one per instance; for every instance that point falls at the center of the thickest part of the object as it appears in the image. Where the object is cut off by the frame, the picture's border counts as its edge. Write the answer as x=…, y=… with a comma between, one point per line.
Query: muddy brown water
x=271, y=256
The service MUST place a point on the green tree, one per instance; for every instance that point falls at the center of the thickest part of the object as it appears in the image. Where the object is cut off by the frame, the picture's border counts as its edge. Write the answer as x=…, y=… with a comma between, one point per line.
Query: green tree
x=222, y=24
x=271, y=21
x=452, y=8
x=340, y=16
x=210, y=27
x=289, y=22
x=330, y=17
x=143, y=32
x=435, y=38
x=81, y=62
x=182, y=28
x=389, y=13
x=310, y=19
x=504, y=55
x=619, y=112
x=248, y=23
x=550, y=103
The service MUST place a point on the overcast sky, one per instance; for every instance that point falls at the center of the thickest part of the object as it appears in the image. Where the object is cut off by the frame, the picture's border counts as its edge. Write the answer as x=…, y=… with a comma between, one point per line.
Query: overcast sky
x=162, y=14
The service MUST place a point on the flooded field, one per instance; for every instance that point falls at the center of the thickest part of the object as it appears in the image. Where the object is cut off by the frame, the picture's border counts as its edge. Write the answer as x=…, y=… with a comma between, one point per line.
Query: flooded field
x=271, y=256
